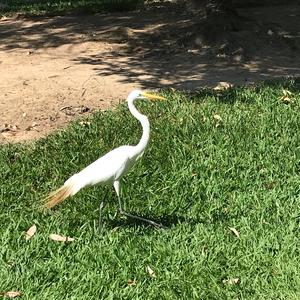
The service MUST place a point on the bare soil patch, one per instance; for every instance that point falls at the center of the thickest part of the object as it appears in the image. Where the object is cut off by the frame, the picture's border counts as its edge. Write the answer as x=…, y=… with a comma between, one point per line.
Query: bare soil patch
x=56, y=69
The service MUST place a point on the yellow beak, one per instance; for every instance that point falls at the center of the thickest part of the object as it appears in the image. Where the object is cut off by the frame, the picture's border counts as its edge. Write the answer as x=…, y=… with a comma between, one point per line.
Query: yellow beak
x=153, y=96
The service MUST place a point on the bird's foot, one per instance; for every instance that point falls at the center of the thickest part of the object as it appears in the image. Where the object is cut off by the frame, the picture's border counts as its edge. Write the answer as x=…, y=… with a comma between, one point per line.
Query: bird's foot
x=152, y=223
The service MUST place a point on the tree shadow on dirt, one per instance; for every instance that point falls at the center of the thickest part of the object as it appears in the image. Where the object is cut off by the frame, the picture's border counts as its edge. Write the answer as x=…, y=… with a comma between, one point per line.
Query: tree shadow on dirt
x=149, y=48
x=162, y=57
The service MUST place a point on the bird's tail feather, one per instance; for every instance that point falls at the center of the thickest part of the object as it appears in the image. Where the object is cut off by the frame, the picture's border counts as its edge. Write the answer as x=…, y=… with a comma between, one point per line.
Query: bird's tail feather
x=56, y=197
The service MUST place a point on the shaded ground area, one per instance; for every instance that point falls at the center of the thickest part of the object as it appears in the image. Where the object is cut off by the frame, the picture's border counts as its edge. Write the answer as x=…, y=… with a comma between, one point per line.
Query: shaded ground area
x=55, y=69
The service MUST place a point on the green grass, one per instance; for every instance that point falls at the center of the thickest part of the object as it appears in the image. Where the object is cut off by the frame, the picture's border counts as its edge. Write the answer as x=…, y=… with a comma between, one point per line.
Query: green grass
x=58, y=7
x=199, y=176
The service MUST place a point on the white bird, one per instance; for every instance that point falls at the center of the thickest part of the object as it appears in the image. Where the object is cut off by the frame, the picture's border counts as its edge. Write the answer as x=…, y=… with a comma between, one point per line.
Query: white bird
x=110, y=168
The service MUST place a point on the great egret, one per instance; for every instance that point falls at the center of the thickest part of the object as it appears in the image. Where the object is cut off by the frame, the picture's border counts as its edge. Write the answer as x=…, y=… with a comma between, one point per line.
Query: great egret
x=110, y=168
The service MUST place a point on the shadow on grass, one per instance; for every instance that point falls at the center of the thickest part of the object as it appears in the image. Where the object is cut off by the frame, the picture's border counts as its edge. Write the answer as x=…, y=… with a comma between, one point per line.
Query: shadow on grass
x=166, y=221
x=231, y=95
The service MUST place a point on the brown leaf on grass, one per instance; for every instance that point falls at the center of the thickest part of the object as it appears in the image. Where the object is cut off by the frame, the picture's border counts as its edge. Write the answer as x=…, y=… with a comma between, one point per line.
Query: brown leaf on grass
x=11, y=294
x=222, y=85
x=85, y=123
x=287, y=93
x=60, y=238
x=218, y=117
x=131, y=282
x=287, y=97
x=150, y=272
x=231, y=281
x=30, y=232
x=234, y=231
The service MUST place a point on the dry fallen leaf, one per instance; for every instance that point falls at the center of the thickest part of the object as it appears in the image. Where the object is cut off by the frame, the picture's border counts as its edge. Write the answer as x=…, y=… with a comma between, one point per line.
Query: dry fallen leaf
x=151, y=272
x=30, y=232
x=11, y=294
x=222, y=85
x=286, y=98
x=218, y=117
x=231, y=281
x=85, y=123
x=131, y=282
x=234, y=231
x=59, y=238
x=287, y=92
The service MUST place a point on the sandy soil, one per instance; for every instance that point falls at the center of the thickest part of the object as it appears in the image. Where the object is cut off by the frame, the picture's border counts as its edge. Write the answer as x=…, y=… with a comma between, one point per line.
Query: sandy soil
x=56, y=69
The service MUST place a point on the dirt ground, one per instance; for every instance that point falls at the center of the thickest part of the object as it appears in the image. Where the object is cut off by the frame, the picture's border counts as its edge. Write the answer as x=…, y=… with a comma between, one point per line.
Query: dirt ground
x=56, y=69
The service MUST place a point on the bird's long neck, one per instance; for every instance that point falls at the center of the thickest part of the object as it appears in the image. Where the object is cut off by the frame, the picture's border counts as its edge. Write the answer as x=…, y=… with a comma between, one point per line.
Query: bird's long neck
x=140, y=147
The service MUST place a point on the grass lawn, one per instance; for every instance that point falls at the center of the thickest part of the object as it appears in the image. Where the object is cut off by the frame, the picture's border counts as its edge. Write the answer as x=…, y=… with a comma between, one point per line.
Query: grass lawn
x=215, y=161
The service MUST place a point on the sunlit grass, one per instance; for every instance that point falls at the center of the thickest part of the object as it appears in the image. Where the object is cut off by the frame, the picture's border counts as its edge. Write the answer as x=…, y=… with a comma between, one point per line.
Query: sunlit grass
x=200, y=175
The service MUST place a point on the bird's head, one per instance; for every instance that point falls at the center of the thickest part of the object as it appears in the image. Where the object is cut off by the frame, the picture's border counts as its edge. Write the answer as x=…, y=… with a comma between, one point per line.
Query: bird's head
x=138, y=94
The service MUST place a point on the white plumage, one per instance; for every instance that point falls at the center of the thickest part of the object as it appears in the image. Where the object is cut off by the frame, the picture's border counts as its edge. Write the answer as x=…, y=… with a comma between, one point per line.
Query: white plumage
x=110, y=168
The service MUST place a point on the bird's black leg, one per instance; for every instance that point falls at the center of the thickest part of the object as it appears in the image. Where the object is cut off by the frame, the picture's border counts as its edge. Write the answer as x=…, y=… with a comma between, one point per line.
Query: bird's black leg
x=100, y=210
x=124, y=213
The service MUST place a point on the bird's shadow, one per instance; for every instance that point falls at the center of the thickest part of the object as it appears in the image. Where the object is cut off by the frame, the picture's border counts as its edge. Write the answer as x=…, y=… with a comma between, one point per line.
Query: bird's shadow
x=118, y=220
x=167, y=222
x=112, y=218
